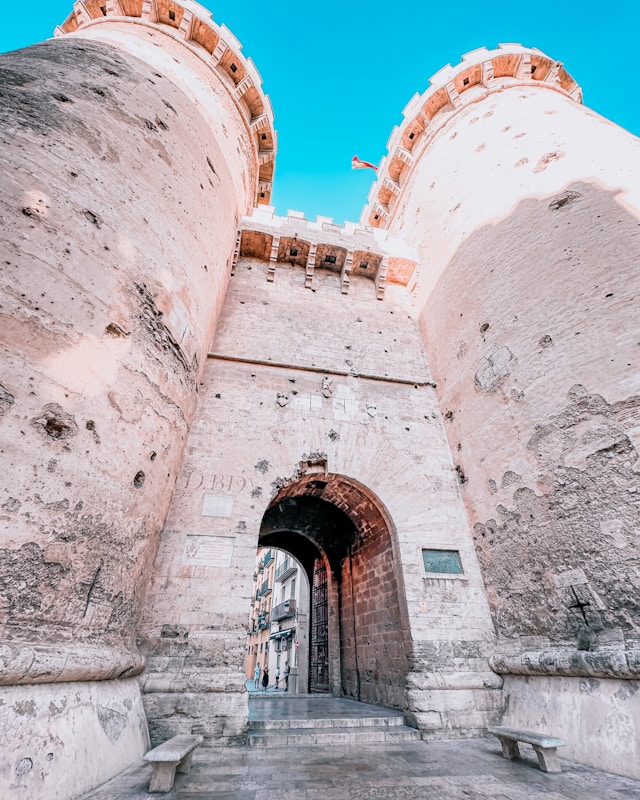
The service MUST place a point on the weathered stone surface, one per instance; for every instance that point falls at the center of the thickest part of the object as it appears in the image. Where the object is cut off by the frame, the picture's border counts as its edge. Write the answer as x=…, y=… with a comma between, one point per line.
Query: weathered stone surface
x=99, y=727
x=130, y=151
x=596, y=718
x=367, y=471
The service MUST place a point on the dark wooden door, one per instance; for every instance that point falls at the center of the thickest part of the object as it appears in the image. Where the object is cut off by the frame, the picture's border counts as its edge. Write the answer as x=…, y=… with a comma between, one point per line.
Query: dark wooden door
x=319, y=657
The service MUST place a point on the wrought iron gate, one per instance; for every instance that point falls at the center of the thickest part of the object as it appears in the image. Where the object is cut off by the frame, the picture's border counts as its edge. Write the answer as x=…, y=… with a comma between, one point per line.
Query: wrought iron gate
x=319, y=658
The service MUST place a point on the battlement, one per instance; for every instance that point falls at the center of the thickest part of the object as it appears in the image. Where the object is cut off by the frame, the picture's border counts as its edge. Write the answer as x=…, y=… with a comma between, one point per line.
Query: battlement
x=193, y=25
x=451, y=89
x=347, y=250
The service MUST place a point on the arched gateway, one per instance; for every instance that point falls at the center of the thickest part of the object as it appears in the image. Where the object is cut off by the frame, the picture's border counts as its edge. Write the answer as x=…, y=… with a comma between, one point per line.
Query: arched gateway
x=344, y=539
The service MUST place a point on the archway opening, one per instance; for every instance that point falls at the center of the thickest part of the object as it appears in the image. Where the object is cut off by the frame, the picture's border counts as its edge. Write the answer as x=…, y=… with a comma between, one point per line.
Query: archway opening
x=278, y=637
x=343, y=538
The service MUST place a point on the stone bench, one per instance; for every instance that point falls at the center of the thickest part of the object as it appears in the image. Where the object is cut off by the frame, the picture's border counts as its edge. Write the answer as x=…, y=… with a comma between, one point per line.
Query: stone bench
x=545, y=746
x=171, y=756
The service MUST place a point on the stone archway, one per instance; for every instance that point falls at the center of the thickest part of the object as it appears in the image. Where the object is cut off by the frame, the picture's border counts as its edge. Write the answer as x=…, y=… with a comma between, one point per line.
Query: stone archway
x=334, y=522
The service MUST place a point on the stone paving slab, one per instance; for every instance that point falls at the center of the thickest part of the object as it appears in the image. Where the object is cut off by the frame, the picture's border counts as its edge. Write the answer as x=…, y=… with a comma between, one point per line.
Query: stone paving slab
x=314, y=707
x=469, y=769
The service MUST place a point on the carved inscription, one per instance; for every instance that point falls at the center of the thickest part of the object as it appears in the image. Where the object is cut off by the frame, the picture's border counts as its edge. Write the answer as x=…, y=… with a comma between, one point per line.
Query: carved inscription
x=226, y=484
x=207, y=551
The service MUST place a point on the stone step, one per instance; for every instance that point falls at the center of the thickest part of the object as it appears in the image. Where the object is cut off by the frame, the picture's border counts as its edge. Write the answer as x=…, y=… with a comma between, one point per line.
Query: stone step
x=329, y=722
x=334, y=734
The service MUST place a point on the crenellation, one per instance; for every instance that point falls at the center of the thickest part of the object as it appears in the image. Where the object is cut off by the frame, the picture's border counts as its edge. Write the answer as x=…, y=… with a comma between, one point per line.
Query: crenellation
x=323, y=239
x=224, y=55
x=113, y=8
x=449, y=92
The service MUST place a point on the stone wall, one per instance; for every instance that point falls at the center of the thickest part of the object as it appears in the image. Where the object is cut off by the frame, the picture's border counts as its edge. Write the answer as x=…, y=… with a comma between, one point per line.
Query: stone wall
x=48, y=731
x=273, y=401
x=374, y=639
x=597, y=718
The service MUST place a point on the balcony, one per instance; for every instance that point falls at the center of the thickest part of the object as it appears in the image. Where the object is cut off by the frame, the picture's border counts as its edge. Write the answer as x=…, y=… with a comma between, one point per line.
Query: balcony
x=286, y=570
x=284, y=610
x=263, y=622
x=264, y=589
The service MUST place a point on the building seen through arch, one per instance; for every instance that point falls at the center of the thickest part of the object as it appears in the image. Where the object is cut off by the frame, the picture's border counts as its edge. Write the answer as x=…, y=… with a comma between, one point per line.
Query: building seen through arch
x=434, y=411
x=278, y=633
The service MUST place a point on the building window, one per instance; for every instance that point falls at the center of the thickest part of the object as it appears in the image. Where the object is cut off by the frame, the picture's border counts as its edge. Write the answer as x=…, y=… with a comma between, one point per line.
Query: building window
x=442, y=562
x=293, y=588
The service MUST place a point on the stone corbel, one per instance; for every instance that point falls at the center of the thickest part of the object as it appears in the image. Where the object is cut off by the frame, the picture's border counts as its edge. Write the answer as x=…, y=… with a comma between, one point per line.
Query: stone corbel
x=346, y=272
x=273, y=258
x=487, y=73
x=82, y=15
x=218, y=53
x=454, y=97
x=553, y=76
x=243, y=87
x=311, y=263
x=381, y=278
x=523, y=72
x=114, y=9
x=149, y=11
x=236, y=253
x=186, y=24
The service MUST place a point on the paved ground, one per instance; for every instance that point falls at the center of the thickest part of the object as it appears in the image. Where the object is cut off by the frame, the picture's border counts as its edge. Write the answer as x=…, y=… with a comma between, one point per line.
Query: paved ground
x=460, y=769
x=448, y=770
x=312, y=707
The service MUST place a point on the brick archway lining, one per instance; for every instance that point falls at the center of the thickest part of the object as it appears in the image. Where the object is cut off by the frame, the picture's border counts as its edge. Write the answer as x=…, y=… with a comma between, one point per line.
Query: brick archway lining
x=353, y=531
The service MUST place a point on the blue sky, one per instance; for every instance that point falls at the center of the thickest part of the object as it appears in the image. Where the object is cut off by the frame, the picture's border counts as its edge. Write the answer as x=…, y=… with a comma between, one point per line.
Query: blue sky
x=340, y=73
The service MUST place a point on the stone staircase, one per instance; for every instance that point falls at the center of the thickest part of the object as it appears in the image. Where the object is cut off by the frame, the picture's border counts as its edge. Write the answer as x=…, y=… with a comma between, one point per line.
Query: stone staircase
x=323, y=720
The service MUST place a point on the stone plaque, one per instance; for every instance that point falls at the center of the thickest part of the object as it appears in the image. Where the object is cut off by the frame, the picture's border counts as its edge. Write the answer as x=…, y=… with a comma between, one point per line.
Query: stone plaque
x=208, y=551
x=573, y=577
x=217, y=505
x=443, y=562
x=308, y=402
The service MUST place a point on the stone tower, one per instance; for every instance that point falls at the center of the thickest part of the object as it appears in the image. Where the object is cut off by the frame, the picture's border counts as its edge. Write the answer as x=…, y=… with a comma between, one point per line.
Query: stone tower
x=524, y=207
x=435, y=409
x=130, y=148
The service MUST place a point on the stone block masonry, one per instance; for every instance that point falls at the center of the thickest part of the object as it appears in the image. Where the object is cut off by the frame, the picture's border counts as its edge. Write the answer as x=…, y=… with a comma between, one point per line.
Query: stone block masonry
x=259, y=420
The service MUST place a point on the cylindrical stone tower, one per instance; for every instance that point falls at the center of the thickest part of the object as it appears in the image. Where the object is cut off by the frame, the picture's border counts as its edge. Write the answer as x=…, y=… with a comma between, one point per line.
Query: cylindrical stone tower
x=525, y=208
x=131, y=144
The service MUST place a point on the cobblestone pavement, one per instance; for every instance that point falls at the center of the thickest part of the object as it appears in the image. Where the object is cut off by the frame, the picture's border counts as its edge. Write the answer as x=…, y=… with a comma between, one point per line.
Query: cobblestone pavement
x=471, y=769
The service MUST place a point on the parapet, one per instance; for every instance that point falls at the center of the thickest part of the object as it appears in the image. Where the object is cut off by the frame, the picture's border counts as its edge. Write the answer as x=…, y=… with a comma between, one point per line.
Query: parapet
x=193, y=25
x=480, y=73
x=347, y=249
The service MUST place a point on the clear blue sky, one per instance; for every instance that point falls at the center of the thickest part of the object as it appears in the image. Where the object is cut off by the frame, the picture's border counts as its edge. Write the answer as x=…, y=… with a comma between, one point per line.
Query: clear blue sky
x=340, y=73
